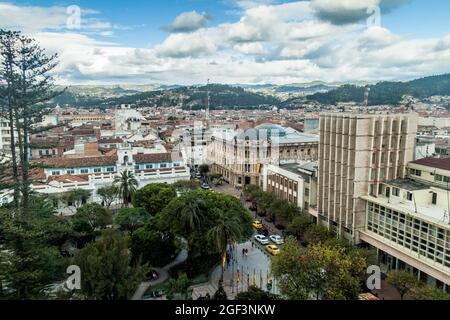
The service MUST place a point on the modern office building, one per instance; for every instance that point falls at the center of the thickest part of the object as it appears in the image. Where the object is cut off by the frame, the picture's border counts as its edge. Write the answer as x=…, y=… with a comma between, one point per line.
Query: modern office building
x=357, y=152
x=408, y=222
x=295, y=183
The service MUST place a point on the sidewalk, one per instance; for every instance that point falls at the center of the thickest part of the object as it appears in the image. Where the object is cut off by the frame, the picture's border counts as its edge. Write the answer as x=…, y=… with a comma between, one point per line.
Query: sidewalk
x=256, y=262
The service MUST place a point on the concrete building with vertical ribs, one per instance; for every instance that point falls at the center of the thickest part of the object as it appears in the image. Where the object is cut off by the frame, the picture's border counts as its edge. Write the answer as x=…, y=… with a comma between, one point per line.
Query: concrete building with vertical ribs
x=357, y=152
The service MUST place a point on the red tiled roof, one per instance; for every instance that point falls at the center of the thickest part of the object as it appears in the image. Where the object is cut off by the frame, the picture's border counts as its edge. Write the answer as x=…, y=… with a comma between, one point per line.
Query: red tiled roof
x=79, y=162
x=443, y=163
x=69, y=178
x=156, y=157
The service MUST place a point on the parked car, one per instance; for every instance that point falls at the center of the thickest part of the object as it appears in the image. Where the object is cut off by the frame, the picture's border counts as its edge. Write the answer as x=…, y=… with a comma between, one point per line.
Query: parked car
x=205, y=186
x=273, y=249
x=276, y=239
x=262, y=239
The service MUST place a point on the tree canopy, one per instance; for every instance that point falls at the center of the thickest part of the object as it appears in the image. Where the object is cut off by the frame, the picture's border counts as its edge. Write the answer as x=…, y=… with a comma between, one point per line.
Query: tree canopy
x=154, y=197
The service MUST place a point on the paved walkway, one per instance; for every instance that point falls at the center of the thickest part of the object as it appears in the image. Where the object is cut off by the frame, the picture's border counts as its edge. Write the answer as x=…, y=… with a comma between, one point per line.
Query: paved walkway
x=254, y=266
x=163, y=275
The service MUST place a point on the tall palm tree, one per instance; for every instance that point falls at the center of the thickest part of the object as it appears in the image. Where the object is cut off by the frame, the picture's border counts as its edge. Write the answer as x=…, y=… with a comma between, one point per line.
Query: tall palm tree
x=127, y=185
x=226, y=231
x=191, y=213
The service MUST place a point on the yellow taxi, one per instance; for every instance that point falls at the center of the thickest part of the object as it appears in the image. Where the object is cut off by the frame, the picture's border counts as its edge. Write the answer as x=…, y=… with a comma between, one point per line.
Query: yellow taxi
x=257, y=224
x=273, y=249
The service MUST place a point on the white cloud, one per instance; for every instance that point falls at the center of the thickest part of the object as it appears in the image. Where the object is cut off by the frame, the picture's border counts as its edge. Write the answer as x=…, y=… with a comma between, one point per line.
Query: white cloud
x=269, y=43
x=188, y=22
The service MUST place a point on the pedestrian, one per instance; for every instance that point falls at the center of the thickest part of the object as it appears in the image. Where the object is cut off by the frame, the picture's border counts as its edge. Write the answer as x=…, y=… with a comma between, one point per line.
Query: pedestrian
x=243, y=252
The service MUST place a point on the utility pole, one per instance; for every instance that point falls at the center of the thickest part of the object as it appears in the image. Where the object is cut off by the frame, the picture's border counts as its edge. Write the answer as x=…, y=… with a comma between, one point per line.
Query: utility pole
x=207, y=104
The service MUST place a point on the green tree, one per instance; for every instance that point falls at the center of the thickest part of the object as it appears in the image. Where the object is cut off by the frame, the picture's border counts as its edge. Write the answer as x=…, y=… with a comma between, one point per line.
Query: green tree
x=423, y=292
x=130, y=219
x=255, y=293
x=30, y=257
x=8, y=48
x=402, y=281
x=179, y=288
x=127, y=185
x=317, y=234
x=30, y=67
x=76, y=197
x=226, y=231
x=153, y=246
x=263, y=202
x=108, y=194
x=154, y=197
x=300, y=224
x=323, y=271
x=107, y=271
x=220, y=294
x=289, y=272
x=90, y=218
x=192, y=215
x=183, y=186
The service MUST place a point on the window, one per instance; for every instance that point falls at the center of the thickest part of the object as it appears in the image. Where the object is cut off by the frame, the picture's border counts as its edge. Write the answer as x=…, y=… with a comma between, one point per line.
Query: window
x=176, y=164
x=149, y=166
x=56, y=173
x=409, y=196
x=71, y=171
x=97, y=170
x=110, y=169
x=415, y=172
x=434, y=198
x=84, y=171
x=163, y=165
x=396, y=192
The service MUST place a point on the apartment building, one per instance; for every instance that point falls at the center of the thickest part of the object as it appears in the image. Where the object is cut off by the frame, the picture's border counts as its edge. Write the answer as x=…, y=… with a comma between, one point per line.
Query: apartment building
x=241, y=156
x=5, y=136
x=357, y=152
x=295, y=183
x=408, y=222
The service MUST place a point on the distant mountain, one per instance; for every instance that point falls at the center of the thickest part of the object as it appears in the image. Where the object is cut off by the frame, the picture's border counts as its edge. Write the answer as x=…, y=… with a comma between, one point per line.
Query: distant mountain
x=193, y=97
x=247, y=96
x=387, y=92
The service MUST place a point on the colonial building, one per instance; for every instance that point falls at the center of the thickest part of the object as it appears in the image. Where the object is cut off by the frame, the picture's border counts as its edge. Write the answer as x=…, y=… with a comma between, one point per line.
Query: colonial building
x=92, y=172
x=241, y=156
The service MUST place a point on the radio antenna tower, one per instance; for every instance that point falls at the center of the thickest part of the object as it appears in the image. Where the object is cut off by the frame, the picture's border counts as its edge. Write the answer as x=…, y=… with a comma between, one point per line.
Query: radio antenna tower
x=366, y=96
x=207, y=102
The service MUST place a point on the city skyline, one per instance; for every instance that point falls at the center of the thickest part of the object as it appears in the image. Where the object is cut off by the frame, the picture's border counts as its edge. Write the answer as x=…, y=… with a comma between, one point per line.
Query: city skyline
x=247, y=41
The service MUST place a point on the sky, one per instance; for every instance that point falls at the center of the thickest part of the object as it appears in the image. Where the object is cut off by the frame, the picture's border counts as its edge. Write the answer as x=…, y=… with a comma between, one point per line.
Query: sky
x=237, y=41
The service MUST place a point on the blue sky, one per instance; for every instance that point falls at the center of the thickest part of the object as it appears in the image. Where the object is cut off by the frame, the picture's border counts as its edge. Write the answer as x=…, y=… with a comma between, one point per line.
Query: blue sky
x=251, y=41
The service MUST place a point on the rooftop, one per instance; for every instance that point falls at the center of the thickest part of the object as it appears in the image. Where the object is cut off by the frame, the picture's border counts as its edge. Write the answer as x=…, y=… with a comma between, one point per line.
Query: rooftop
x=408, y=184
x=156, y=157
x=295, y=167
x=443, y=163
x=78, y=162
